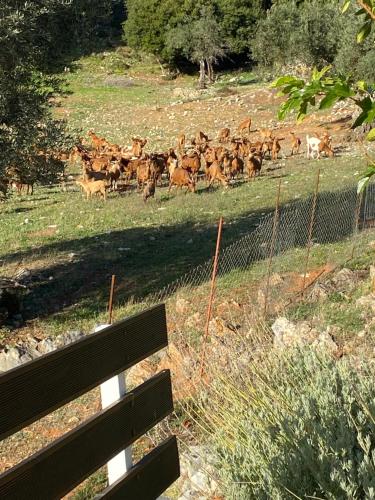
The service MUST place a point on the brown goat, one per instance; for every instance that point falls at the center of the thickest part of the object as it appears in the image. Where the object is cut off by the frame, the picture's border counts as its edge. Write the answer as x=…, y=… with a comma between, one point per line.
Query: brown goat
x=201, y=138
x=296, y=144
x=244, y=126
x=276, y=148
x=149, y=189
x=181, y=140
x=214, y=173
x=224, y=135
x=93, y=187
x=143, y=173
x=137, y=146
x=192, y=164
x=98, y=142
x=254, y=164
x=181, y=178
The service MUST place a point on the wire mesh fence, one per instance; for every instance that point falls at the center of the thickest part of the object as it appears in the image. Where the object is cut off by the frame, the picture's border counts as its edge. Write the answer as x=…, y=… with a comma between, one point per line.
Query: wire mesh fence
x=309, y=234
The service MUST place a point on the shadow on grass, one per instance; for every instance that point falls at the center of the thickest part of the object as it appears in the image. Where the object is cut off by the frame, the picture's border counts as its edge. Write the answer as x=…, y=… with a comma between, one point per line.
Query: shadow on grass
x=146, y=259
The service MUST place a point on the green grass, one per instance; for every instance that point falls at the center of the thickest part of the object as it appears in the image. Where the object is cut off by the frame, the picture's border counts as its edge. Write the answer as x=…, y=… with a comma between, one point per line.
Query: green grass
x=74, y=246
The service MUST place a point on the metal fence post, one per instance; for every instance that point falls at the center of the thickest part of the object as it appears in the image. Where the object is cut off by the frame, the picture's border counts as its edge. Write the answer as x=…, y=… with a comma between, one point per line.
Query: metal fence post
x=356, y=223
x=311, y=228
x=211, y=297
x=272, y=249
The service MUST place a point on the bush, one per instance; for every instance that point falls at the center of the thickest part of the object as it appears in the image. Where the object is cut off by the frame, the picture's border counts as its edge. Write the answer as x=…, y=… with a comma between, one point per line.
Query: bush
x=302, y=427
x=312, y=33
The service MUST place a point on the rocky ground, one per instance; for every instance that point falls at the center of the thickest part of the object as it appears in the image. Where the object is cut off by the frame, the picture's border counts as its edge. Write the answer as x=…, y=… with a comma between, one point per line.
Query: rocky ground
x=236, y=336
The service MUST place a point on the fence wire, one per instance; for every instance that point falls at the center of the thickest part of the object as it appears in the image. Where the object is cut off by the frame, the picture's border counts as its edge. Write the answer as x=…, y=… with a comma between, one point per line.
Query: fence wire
x=335, y=219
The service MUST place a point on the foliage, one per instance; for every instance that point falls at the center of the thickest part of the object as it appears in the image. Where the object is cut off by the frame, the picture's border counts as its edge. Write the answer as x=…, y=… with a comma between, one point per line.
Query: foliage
x=314, y=33
x=151, y=25
x=199, y=40
x=301, y=426
x=34, y=37
x=333, y=88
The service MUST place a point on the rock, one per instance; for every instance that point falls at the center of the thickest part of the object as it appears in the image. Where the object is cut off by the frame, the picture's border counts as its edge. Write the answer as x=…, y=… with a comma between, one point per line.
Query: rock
x=345, y=279
x=183, y=306
x=23, y=274
x=69, y=337
x=12, y=357
x=276, y=279
x=326, y=342
x=194, y=320
x=32, y=348
x=140, y=373
x=46, y=345
x=288, y=334
x=219, y=327
x=228, y=306
x=319, y=292
x=366, y=302
x=198, y=472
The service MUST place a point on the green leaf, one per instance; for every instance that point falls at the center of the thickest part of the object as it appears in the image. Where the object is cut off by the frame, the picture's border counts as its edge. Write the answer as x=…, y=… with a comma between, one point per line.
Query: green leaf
x=371, y=135
x=317, y=75
x=362, y=184
x=366, y=104
x=290, y=80
x=346, y=6
x=360, y=119
x=364, y=32
x=328, y=101
x=362, y=85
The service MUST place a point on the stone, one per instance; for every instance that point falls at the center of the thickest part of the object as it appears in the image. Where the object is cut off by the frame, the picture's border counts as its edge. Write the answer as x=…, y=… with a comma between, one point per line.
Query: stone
x=319, y=292
x=228, y=306
x=183, y=306
x=194, y=320
x=12, y=357
x=289, y=334
x=345, y=279
x=220, y=327
x=23, y=274
x=326, y=342
x=198, y=473
x=46, y=345
x=366, y=302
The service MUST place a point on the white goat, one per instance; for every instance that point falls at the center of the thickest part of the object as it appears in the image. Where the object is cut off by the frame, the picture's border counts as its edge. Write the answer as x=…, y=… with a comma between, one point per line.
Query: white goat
x=312, y=146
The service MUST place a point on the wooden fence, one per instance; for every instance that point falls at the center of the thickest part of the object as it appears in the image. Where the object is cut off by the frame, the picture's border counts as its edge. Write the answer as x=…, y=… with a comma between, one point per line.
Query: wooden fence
x=31, y=391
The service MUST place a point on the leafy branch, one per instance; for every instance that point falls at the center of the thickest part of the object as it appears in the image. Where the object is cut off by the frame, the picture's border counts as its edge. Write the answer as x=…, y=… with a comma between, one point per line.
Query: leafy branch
x=325, y=89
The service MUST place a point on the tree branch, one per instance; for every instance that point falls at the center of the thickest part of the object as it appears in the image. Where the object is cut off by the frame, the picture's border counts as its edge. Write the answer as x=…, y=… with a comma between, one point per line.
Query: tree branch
x=367, y=8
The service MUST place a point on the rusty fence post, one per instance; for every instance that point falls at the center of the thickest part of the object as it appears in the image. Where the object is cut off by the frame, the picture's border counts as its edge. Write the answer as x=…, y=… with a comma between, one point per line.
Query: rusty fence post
x=276, y=219
x=356, y=223
x=311, y=229
x=110, y=303
x=211, y=297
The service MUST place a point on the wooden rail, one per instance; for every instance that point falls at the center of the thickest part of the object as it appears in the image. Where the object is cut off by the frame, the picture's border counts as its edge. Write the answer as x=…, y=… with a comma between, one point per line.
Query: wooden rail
x=33, y=390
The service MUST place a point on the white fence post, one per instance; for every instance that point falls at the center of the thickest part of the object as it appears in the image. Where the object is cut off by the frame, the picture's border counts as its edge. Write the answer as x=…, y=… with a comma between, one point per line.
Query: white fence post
x=111, y=391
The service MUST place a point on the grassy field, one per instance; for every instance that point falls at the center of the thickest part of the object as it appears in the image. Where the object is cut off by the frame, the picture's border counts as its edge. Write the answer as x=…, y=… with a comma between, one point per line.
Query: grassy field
x=72, y=246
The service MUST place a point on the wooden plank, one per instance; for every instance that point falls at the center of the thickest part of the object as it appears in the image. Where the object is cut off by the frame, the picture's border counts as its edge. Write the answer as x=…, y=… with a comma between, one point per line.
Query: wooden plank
x=33, y=390
x=58, y=468
x=150, y=477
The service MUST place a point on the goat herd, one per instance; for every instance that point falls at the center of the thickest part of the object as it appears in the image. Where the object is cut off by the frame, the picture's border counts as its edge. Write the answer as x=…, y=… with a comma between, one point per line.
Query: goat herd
x=105, y=164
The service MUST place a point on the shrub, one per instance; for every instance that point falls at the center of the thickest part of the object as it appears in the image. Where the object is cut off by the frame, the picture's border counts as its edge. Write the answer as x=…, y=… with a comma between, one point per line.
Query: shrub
x=313, y=33
x=302, y=427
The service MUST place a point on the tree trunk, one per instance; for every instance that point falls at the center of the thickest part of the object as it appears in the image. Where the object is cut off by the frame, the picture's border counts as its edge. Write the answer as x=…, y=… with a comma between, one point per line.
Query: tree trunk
x=202, y=74
x=210, y=72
